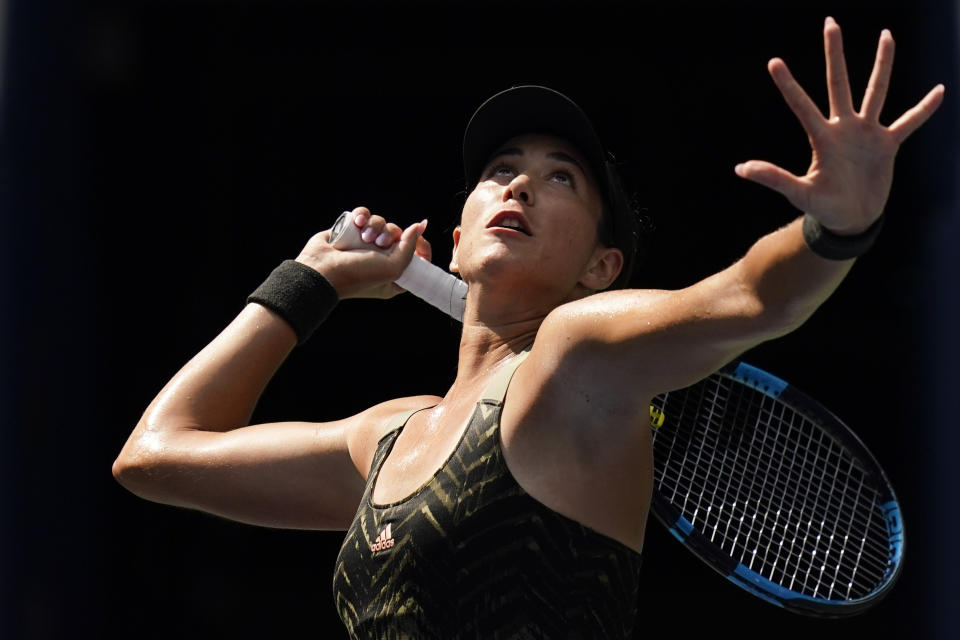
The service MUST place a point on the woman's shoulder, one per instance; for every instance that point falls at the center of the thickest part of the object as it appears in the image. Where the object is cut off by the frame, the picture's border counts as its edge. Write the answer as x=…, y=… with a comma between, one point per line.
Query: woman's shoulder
x=577, y=362
x=370, y=426
x=599, y=316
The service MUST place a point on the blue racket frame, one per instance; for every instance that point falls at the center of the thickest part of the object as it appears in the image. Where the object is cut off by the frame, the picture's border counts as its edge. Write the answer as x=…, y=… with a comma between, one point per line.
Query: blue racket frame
x=695, y=539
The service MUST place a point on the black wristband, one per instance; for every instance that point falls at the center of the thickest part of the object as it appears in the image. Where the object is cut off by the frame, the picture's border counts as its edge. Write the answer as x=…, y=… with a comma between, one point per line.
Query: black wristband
x=298, y=294
x=832, y=246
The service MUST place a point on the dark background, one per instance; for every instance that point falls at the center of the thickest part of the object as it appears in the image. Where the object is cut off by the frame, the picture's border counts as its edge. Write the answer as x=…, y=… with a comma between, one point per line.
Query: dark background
x=159, y=158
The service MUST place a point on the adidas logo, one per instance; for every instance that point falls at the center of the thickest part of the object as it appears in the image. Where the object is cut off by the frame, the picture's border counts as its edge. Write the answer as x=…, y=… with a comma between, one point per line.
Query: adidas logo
x=383, y=541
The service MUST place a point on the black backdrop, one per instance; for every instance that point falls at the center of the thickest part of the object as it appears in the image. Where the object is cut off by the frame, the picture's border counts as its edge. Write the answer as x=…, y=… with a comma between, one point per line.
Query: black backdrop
x=159, y=158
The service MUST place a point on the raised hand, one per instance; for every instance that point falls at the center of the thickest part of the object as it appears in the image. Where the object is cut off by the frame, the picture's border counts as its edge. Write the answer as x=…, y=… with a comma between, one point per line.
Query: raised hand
x=848, y=182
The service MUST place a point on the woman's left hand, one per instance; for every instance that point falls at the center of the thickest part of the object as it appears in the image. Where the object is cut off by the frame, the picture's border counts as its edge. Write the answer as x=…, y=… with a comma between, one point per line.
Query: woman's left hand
x=850, y=174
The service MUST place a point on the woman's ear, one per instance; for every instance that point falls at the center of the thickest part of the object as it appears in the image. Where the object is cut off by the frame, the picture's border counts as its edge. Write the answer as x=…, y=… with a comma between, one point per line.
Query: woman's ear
x=454, y=267
x=603, y=268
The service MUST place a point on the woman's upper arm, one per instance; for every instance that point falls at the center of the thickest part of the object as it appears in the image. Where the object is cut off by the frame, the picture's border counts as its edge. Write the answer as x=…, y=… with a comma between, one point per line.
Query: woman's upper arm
x=292, y=474
x=645, y=342
x=656, y=341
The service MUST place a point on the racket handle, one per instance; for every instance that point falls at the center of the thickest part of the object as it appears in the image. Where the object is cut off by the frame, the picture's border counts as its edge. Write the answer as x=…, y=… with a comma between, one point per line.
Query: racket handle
x=425, y=280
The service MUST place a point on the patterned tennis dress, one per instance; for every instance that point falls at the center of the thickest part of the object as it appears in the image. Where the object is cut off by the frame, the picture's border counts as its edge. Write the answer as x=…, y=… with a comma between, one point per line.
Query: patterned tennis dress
x=471, y=555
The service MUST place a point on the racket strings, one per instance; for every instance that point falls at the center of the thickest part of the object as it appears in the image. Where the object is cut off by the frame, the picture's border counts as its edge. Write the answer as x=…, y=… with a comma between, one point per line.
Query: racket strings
x=770, y=488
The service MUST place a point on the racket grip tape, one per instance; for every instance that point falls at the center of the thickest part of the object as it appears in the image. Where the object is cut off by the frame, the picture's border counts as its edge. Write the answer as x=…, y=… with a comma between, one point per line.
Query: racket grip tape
x=421, y=278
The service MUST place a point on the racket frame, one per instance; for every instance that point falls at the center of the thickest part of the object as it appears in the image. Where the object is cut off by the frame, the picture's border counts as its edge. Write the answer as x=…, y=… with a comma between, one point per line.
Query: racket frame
x=752, y=581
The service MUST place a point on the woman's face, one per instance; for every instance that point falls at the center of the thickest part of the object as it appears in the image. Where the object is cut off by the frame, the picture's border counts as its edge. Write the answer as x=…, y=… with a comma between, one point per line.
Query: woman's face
x=532, y=218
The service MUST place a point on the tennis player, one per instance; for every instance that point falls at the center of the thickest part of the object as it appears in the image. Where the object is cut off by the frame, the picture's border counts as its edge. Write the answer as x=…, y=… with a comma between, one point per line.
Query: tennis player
x=515, y=505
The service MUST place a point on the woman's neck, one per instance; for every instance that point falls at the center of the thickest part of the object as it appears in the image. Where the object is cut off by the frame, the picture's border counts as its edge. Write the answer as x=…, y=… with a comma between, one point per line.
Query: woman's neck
x=499, y=324
x=483, y=347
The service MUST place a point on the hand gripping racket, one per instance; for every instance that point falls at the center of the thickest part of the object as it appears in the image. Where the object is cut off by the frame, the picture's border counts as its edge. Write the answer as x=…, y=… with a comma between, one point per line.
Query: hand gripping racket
x=421, y=278
x=757, y=479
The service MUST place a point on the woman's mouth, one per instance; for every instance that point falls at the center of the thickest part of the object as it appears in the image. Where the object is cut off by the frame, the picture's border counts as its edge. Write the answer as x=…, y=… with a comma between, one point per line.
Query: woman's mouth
x=510, y=220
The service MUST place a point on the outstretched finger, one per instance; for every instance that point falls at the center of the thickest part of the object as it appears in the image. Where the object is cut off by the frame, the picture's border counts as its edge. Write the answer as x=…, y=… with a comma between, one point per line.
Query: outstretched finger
x=424, y=249
x=773, y=177
x=876, y=93
x=797, y=99
x=913, y=118
x=838, y=82
x=408, y=238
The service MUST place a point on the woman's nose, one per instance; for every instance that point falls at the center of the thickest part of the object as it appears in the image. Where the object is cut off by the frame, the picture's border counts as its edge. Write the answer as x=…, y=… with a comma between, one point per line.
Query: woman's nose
x=520, y=188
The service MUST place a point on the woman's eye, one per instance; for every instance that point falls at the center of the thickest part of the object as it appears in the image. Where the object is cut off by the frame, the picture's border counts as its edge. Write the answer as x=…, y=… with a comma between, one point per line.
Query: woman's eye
x=502, y=170
x=563, y=177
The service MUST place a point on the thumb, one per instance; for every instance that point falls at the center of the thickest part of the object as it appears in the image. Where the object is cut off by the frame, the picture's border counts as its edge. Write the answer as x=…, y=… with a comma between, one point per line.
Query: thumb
x=775, y=178
x=408, y=240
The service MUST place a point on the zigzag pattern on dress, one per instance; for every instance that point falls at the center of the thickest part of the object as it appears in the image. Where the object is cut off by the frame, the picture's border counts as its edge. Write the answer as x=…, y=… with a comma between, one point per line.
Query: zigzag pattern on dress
x=475, y=556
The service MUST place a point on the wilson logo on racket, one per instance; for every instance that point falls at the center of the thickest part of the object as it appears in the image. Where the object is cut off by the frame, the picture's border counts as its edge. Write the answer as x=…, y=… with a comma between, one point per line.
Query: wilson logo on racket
x=656, y=417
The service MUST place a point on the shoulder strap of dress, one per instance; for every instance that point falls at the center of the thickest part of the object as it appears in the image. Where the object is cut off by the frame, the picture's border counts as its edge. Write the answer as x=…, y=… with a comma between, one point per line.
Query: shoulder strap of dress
x=401, y=418
x=397, y=422
x=497, y=388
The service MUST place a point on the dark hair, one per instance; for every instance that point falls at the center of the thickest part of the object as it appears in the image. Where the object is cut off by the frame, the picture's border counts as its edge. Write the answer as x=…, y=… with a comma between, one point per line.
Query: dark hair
x=621, y=225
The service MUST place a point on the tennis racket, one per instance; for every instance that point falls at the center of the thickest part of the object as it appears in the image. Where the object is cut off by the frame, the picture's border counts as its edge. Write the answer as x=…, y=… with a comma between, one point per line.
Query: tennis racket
x=772, y=490
x=756, y=478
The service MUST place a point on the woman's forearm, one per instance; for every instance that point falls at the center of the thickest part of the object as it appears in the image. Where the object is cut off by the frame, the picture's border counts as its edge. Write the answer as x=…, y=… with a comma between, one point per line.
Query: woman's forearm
x=218, y=389
x=789, y=281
